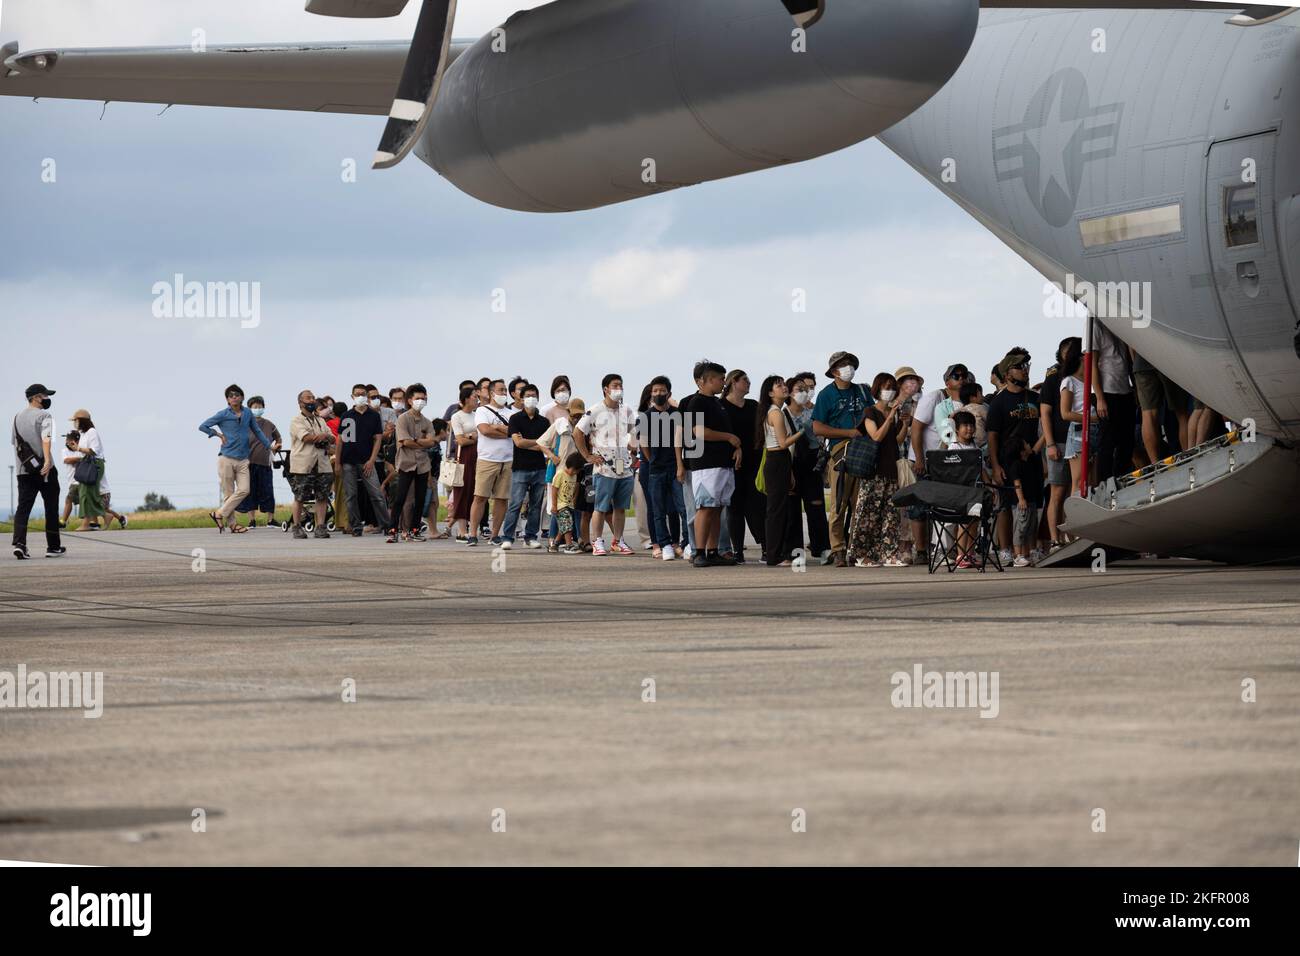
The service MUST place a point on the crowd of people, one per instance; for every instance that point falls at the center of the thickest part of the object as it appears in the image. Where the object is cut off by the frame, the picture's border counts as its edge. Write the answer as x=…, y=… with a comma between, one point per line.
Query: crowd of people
x=721, y=476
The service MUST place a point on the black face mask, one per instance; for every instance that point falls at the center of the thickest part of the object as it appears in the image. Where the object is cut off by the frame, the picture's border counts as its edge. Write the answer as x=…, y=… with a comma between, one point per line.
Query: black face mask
x=660, y=400
x=46, y=403
x=309, y=406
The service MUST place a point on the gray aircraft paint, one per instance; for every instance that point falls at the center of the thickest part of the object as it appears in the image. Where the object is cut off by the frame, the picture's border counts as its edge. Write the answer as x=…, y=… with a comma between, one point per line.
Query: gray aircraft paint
x=1045, y=133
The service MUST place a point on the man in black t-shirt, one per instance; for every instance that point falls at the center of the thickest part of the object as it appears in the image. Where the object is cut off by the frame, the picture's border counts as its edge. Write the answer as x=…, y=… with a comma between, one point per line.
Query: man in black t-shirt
x=528, y=471
x=361, y=433
x=1013, y=416
x=712, y=459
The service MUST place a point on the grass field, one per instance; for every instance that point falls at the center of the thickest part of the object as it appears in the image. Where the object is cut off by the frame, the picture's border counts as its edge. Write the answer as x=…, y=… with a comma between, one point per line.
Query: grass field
x=155, y=520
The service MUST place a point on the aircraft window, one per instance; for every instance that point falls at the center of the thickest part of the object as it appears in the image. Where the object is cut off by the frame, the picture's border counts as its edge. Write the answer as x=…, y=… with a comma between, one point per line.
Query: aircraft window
x=1127, y=226
x=1241, y=215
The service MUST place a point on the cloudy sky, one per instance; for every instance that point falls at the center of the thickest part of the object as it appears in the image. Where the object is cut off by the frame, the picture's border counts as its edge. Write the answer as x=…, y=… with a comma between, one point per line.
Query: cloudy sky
x=390, y=279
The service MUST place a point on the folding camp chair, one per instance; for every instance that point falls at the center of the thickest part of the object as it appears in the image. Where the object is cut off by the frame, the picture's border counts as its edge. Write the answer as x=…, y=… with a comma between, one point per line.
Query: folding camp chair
x=955, y=499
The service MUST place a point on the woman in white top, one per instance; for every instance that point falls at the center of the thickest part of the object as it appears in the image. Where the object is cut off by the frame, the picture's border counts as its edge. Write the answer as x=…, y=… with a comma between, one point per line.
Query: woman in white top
x=780, y=434
x=92, y=503
x=466, y=433
x=1072, y=398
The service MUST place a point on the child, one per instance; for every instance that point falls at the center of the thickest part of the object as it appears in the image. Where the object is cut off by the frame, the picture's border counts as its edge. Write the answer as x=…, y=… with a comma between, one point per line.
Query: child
x=566, y=495
x=71, y=456
x=965, y=423
x=972, y=401
x=1025, y=471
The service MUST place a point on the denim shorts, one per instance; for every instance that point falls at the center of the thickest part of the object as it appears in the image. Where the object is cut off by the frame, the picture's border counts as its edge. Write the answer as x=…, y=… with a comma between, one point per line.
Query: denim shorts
x=1074, y=440
x=613, y=494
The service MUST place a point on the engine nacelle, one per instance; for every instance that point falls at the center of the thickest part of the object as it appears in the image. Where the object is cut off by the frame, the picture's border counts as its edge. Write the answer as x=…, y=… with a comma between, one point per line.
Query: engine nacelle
x=583, y=103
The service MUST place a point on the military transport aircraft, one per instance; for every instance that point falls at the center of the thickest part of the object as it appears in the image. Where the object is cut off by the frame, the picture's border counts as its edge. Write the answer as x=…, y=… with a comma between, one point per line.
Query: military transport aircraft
x=1146, y=149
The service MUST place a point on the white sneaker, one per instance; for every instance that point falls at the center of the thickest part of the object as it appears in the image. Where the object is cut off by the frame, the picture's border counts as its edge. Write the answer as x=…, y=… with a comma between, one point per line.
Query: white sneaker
x=669, y=554
x=532, y=543
x=688, y=552
x=1021, y=562
x=1006, y=557
x=505, y=545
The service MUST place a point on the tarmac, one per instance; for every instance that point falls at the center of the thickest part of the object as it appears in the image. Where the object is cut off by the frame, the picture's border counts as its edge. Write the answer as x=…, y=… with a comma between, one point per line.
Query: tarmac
x=525, y=708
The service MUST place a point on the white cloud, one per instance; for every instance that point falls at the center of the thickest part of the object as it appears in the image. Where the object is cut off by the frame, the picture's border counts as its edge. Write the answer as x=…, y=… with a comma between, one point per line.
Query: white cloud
x=640, y=278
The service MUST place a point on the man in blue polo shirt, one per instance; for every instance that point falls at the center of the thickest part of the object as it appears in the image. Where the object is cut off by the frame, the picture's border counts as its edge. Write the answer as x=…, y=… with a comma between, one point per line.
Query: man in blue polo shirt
x=233, y=425
x=837, y=413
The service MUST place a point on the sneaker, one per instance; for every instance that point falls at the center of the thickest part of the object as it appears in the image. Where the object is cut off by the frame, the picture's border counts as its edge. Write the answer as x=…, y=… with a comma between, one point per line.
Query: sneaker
x=416, y=535
x=839, y=560
x=1006, y=557
x=471, y=542
x=299, y=533
x=570, y=549
x=688, y=552
x=21, y=553
x=1036, y=555
x=553, y=548
x=532, y=543
x=497, y=542
x=700, y=560
x=320, y=533
x=357, y=532
x=722, y=560
x=669, y=554
x=55, y=552
x=462, y=539
x=622, y=548
x=739, y=557
x=503, y=544
x=123, y=519
x=598, y=548
x=1020, y=562
x=393, y=538
x=828, y=558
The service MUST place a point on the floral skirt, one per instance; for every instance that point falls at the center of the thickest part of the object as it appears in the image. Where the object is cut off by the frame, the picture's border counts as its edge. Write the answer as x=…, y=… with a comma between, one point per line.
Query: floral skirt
x=874, y=535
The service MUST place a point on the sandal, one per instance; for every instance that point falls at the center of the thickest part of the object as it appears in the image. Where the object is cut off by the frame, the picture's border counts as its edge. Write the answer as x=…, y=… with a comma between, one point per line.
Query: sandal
x=444, y=536
x=218, y=521
x=238, y=529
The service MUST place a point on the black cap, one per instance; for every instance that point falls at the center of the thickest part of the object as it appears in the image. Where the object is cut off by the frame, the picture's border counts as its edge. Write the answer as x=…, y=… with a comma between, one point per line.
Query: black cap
x=38, y=390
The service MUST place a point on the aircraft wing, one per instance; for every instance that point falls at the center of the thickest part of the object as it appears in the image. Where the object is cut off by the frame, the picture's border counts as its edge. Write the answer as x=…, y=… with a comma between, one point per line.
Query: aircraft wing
x=1238, y=5
x=351, y=77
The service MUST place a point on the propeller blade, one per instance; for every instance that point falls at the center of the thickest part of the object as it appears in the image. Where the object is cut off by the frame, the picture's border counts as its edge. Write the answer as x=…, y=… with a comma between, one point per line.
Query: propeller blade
x=421, y=78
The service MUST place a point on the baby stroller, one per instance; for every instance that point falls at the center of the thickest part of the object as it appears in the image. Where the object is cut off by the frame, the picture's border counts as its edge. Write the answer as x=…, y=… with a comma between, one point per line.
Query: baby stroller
x=308, y=506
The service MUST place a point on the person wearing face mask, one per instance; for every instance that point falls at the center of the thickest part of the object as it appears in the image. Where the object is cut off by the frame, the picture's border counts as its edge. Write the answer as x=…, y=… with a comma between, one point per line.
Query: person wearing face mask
x=557, y=445
x=236, y=427
x=607, y=438
x=32, y=436
x=496, y=453
x=664, y=493
x=810, y=491
x=836, y=415
x=558, y=407
x=310, y=476
x=1014, y=423
x=877, y=522
x=261, y=476
x=415, y=436
x=361, y=433
x=527, y=470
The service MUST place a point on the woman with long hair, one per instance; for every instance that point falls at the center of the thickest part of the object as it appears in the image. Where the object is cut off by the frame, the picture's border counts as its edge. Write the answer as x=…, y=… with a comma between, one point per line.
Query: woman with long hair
x=780, y=434
x=747, y=504
x=874, y=537
x=466, y=432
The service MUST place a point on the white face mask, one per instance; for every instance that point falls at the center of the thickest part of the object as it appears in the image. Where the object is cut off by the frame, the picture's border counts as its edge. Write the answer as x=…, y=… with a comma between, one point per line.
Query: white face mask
x=360, y=401
x=800, y=397
x=846, y=373
x=887, y=394
x=530, y=403
x=616, y=394
x=418, y=404
x=501, y=400
x=561, y=398
x=400, y=406
x=375, y=403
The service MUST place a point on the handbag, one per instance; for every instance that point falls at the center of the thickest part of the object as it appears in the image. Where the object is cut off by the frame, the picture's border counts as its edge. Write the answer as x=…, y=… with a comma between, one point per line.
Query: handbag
x=861, y=456
x=760, y=483
x=87, y=471
x=906, y=474
x=451, y=474
x=27, y=455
